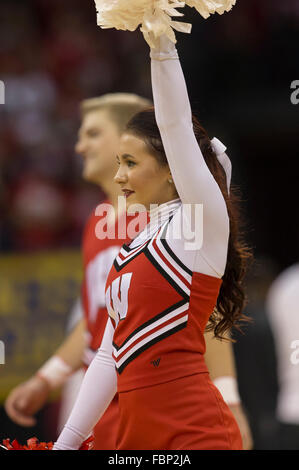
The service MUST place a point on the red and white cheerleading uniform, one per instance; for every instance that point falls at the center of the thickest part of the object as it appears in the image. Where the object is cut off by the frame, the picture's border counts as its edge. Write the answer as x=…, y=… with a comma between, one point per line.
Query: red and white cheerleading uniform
x=160, y=293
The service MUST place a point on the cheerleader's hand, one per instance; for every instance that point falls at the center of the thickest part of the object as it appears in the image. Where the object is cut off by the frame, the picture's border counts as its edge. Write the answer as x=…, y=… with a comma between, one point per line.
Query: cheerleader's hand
x=27, y=399
x=163, y=48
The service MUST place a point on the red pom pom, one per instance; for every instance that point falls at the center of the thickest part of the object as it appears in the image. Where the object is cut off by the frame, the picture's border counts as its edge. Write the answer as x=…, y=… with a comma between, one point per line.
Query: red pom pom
x=34, y=444
x=6, y=444
x=88, y=444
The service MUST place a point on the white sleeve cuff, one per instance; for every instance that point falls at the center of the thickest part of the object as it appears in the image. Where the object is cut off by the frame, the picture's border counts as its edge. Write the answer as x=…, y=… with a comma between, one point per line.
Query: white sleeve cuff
x=55, y=371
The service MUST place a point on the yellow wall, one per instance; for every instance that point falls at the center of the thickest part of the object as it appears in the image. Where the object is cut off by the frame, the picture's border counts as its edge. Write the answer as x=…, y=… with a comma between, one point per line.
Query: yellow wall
x=37, y=293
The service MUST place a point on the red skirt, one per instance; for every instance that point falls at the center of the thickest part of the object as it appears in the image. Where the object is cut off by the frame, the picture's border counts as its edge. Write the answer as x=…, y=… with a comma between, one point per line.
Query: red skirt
x=183, y=414
x=105, y=431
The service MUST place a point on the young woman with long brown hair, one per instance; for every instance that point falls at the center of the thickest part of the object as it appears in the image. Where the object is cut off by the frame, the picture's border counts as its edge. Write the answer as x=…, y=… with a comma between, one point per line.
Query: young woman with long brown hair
x=164, y=286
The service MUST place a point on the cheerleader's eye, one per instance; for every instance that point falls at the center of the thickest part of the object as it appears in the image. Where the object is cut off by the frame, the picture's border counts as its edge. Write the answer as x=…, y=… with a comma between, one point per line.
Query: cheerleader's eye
x=94, y=133
x=130, y=163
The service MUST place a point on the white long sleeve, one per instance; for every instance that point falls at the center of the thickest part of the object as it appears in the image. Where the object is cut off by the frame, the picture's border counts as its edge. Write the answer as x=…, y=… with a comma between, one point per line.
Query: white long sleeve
x=193, y=180
x=97, y=391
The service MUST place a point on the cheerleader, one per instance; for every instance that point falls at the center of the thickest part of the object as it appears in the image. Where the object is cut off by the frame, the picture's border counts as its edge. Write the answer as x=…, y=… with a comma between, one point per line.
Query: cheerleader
x=161, y=291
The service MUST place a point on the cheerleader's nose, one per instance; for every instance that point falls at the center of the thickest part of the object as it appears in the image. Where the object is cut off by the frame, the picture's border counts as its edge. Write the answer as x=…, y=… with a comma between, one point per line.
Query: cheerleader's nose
x=120, y=177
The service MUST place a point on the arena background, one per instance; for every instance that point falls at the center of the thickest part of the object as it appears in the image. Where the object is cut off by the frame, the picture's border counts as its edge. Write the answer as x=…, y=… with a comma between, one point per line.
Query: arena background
x=239, y=69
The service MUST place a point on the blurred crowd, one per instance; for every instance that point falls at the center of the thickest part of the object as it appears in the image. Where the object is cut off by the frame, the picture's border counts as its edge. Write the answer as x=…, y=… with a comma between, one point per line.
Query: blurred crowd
x=51, y=57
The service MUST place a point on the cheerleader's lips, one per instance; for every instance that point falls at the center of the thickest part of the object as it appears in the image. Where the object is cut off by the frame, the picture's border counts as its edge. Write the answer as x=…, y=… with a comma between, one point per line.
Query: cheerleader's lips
x=127, y=193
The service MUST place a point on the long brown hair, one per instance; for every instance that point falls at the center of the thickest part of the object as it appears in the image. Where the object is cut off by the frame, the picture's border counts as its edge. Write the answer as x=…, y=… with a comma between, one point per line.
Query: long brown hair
x=231, y=300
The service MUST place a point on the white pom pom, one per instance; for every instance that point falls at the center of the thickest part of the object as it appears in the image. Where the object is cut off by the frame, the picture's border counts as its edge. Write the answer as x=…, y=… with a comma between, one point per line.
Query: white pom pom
x=154, y=16
x=207, y=7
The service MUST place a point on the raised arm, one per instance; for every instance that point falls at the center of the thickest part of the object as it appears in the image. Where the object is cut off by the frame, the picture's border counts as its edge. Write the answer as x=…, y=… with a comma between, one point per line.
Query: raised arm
x=194, y=181
x=97, y=391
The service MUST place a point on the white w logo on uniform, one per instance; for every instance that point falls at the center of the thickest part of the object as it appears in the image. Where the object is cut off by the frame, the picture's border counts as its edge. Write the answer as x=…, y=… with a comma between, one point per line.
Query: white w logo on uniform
x=117, y=297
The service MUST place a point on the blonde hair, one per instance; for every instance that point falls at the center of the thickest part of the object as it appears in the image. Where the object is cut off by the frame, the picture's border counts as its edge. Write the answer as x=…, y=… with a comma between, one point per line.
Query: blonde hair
x=121, y=107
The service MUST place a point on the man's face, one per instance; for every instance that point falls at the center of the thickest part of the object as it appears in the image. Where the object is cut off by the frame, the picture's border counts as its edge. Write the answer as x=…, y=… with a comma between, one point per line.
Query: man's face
x=98, y=141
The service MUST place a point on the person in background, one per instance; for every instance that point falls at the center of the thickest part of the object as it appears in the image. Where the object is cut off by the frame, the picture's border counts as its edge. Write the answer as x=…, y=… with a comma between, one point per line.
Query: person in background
x=282, y=308
x=257, y=376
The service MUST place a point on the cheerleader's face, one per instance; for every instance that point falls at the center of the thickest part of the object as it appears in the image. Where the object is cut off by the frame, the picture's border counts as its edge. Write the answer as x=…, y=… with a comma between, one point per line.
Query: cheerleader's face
x=141, y=177
x=98, y=142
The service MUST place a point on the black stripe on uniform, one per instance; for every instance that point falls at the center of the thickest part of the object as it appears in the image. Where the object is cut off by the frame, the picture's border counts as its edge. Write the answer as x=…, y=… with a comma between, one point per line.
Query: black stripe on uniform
x=151, y=321
x=149, y=344
x=165, y=275
x=174, y=256
x=127, y=248
x=119, y=267
x=162, y=239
